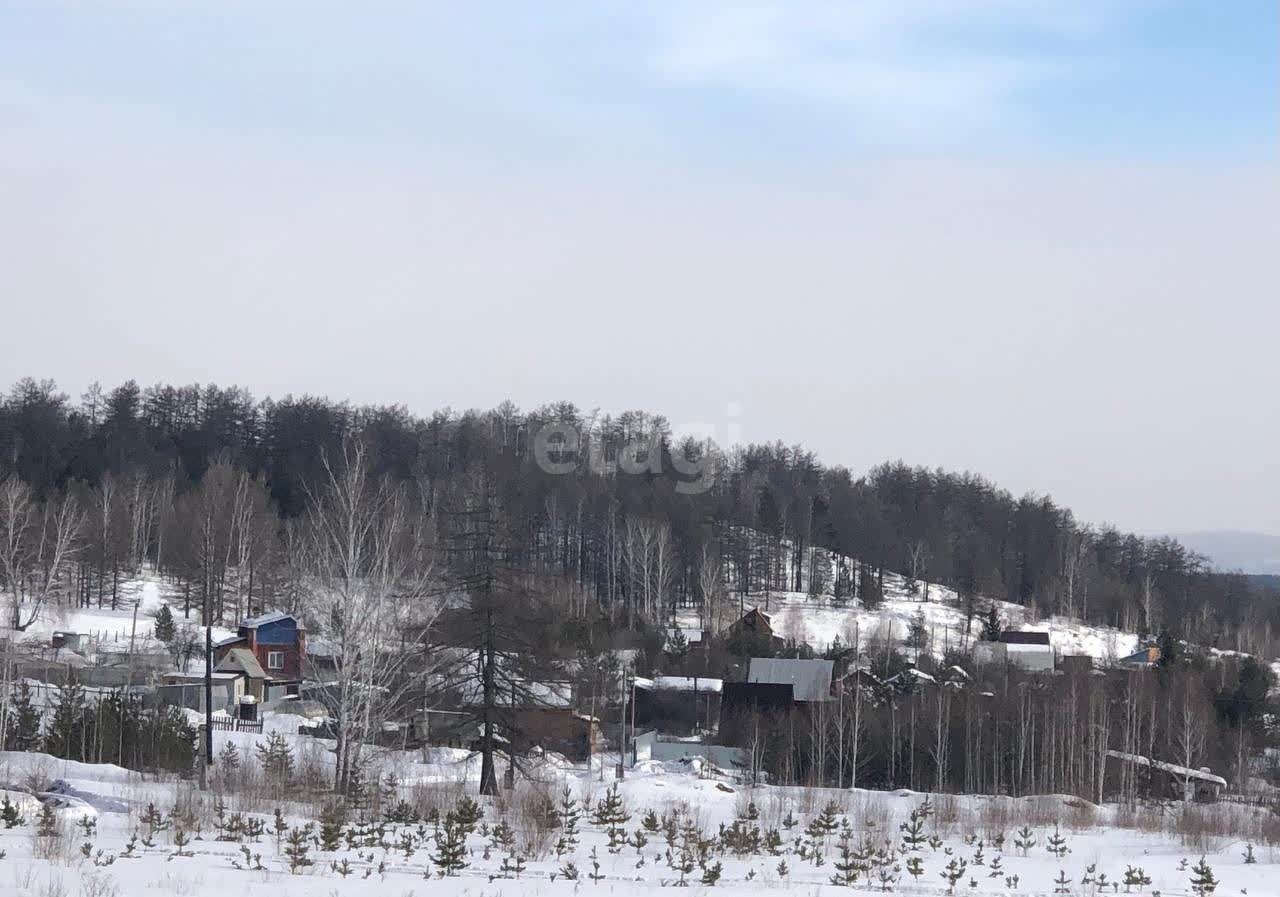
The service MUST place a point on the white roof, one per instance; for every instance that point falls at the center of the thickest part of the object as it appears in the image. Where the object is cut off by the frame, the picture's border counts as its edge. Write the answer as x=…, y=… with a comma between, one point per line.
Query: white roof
x=681, y=683
x=1181, y=772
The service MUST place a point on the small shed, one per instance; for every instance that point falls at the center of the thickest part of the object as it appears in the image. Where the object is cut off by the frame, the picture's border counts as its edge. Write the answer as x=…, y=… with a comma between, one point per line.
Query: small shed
x=1028, y=650
x=1172, y=780
x=242, y=662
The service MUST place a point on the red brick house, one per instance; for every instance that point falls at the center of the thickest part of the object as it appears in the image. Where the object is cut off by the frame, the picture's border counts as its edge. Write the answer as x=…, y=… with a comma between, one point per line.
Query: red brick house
x=277, y=640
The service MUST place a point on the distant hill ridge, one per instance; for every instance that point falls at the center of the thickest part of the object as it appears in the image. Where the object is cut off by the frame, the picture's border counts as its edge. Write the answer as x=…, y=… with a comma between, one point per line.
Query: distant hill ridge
x=1230, y=550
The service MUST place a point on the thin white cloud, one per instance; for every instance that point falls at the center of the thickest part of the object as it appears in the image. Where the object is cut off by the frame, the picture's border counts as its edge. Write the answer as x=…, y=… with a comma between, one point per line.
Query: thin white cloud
x=907, y=67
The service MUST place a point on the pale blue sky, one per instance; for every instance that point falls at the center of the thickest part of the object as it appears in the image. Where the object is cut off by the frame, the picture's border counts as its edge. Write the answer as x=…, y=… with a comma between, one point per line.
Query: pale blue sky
x=1031, y=238
x=731, y=82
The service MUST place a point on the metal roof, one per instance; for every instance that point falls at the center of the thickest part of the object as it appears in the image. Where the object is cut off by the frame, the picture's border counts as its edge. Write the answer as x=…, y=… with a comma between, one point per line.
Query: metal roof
x=810, y=680
x=241, y=660
x=264, y=619
x=1182, y=772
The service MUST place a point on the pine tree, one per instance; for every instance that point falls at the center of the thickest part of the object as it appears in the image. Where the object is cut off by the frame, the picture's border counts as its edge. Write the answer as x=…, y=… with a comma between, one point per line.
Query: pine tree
x=467, y=813
x=827, y=822
x=711, y=874
x=1202, y=880
x=650, y=822
x=1135, y=876
x=915, y=867
x=228, y=763
x=1062, y=884
x=47, y=822
x=10, y=816
x=23, y=733
x=913, y=836
x=165, y=628
x=847, y=864
x=279, y=827
x=1024, y=839
x=992, y=625
x=451, y=847
x=331, y=820
x=180, y=841
x=1057, y=844
x=298, y=847
x=677, y=646
x=154, y=820
x=953, y=873
x=276, y=759
x=569, y=816
x=610, y=811
x=63, y=737
x=513, y=864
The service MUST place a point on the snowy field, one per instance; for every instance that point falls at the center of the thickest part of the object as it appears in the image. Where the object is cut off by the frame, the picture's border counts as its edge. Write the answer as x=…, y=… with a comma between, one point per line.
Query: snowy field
x=113, y=629
x=104, y=807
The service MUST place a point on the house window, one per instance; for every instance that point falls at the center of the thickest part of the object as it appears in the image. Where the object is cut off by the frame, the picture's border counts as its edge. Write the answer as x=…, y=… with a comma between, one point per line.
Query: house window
x=275, y=660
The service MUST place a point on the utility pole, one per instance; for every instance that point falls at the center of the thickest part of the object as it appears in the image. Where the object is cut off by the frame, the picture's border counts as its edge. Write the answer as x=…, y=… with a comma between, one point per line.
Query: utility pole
x=622, y=728
x=208, y=693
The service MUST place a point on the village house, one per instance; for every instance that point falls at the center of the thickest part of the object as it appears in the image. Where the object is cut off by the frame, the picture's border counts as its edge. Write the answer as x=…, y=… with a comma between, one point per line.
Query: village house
x=677, y=705
x=279, y=643
x=810, y=680
x=1144, y=658
x=1026, y=650
x=755, y=627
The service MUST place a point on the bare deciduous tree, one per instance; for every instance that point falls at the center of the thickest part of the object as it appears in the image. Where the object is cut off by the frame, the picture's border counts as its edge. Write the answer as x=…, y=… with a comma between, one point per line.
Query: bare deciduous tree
x=38, y=540
x=370, y=590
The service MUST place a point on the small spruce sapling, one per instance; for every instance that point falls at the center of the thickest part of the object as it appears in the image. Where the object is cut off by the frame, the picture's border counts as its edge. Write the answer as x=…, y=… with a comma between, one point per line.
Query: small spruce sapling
x=1202, y=879
x=913, y=836
x=1024, y=839
x=298, y=848
x=953, y=872
x=1056, y=844
x=10, y=816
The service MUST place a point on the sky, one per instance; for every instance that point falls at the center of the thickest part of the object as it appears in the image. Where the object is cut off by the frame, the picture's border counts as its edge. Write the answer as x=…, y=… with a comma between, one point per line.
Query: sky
x=1034, y=239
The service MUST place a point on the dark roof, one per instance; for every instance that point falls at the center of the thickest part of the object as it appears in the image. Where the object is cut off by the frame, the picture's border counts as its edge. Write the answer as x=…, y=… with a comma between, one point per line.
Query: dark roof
x=264, y=619
x=1025, y=638
x=743, y=697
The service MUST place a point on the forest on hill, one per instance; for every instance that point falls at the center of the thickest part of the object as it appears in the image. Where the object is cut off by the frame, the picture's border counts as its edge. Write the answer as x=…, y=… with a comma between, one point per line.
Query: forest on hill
x=635, y=519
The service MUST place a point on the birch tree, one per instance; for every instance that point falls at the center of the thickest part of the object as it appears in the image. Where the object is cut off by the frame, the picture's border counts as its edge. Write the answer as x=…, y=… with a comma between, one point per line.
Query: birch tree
x=371, y=574
x=38, y=540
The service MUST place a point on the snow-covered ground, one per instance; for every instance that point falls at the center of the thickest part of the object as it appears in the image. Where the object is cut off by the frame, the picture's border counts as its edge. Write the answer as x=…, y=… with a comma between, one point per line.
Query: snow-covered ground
x=115, y=799
x=113, y=629
x=819, y=620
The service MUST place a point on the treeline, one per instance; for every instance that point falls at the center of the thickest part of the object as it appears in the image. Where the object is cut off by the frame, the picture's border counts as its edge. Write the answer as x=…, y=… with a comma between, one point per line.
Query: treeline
x=207, y=484
x=109, y=728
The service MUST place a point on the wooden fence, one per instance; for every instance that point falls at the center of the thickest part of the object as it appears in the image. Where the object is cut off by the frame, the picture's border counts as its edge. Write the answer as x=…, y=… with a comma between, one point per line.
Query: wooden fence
x=231, y=724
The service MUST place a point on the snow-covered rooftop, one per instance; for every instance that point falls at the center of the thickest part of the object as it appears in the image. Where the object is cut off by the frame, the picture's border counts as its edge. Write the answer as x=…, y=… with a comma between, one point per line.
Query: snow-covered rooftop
x=681, y=683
